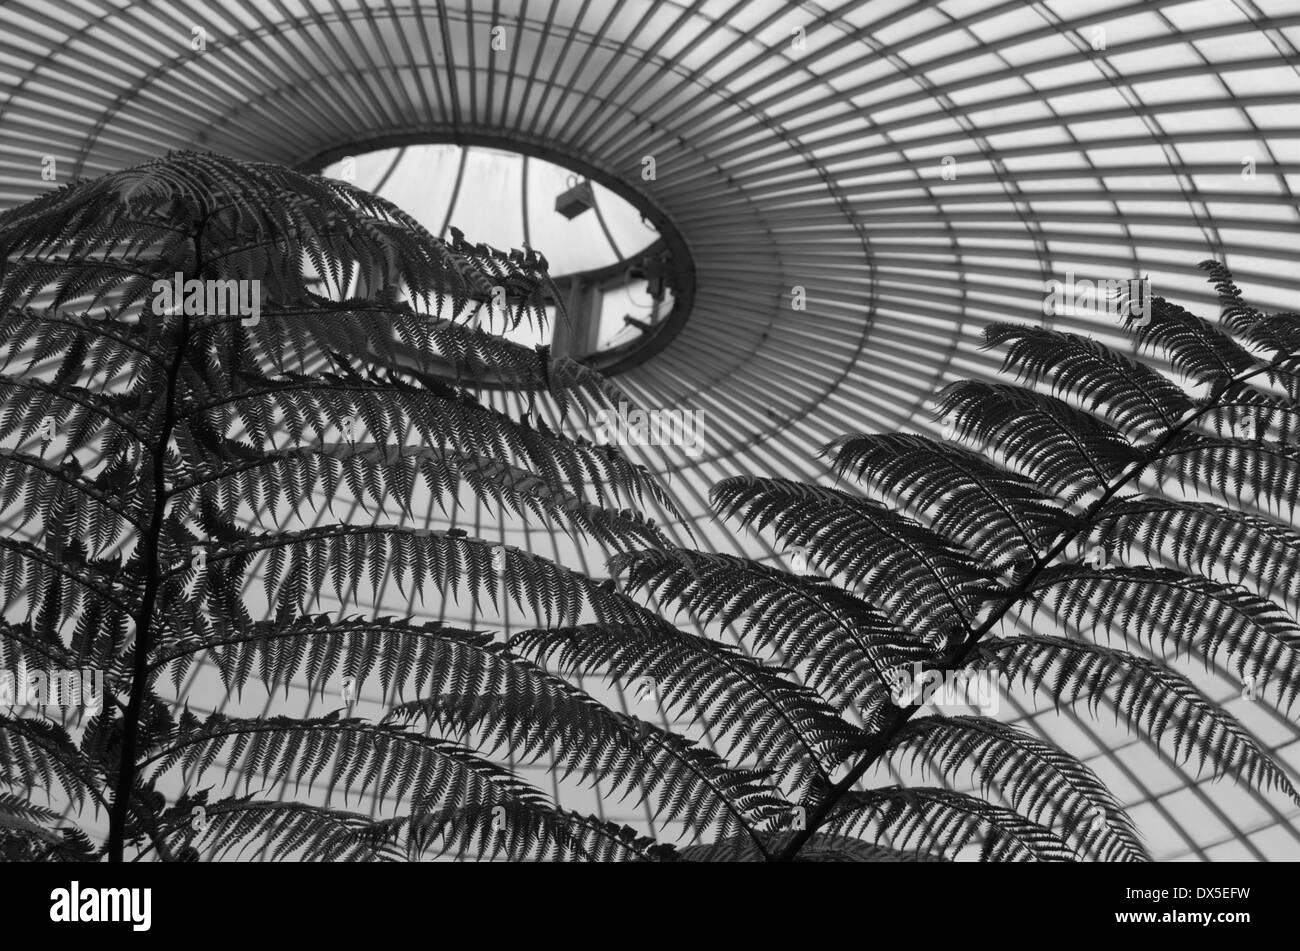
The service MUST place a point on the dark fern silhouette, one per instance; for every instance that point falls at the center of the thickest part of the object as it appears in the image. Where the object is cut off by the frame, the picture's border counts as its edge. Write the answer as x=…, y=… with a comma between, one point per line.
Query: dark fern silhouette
x=1117, y=500
x=1097, y=500
x=309, y=375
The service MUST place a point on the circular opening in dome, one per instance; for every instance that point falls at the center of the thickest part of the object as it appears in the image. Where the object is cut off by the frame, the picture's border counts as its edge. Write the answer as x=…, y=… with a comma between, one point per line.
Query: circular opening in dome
x=621, y=269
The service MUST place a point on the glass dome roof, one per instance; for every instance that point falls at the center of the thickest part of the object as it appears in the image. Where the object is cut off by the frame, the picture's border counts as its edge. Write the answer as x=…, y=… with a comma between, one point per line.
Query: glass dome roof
x=913, y=170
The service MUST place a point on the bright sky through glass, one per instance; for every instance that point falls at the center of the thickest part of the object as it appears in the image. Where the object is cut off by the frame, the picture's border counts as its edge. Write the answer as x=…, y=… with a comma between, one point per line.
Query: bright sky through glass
x=503, y=199
x=507, y=200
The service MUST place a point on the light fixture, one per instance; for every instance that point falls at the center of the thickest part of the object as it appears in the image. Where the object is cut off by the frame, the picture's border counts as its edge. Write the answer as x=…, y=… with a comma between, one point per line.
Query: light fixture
x=576, y=199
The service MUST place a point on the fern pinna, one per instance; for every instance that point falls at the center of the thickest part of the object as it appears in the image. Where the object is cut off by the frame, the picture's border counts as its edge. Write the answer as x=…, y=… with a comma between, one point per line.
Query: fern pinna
x=1075, y=534
x=201, y=352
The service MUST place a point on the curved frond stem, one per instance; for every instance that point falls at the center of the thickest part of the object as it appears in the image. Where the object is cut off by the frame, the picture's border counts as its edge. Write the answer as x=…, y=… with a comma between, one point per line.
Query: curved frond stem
x=100, y=328
x=62, y=568
x=78, y=485
x=71, y=395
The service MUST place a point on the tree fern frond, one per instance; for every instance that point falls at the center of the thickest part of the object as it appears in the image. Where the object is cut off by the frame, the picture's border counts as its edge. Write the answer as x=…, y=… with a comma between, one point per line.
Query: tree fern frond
x=32, y=750
x=299, y=562
x=32, y=833
x=517, y=832
x=753, y=710
x=527, y=491
x=604, y=841
x=1135, y=396
x=1277, y=332
x=112, y=346
x=998, y=516
x=23, y=646
x=1191, y=613
x=1196, y=348
x=943, y=823
x=1235, y=470
x=916, y=577
x=482, y=357
x=46, y=487
x=1040, y=780
x=20, y=814
x=75, y=410
x=444, y=420
x=841, y=642
x=820, y=848
x=313, y=475
x=363, y=758
x=1237, y=315
x=1063, y=449
x=1204, y=537
x=320, y=646
x=1256, y=415
x=1149, y=697
x=284, y=831
x=37, y=571
x=534, y=714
